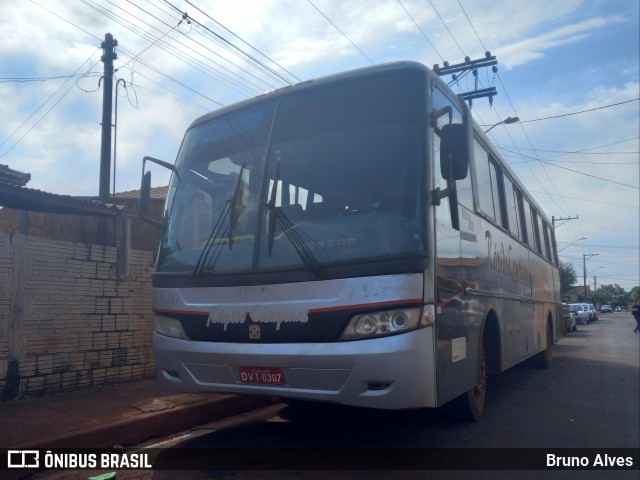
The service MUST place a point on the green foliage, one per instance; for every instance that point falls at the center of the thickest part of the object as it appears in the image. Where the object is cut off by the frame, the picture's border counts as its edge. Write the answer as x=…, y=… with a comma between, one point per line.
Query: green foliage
x=568, y=276
x=632, y=295
x=613, y=295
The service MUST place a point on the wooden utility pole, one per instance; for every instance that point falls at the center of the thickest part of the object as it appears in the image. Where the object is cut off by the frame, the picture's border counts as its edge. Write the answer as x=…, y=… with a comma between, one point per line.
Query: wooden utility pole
x=107, y=58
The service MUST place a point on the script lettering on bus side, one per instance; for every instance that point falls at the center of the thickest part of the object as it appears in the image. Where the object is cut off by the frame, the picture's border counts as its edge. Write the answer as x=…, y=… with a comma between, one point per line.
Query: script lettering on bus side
x=260, y=316
x=500, y=261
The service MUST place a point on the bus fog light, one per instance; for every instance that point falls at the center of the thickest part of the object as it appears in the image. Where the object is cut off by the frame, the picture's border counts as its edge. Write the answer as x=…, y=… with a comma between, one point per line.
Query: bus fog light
x=381, y=324
x=169, y=327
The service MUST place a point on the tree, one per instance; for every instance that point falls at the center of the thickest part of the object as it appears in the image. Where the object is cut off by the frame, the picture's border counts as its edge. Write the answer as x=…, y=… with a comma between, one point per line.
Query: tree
x=568, y=276
x=632, y=295
x=613, y=295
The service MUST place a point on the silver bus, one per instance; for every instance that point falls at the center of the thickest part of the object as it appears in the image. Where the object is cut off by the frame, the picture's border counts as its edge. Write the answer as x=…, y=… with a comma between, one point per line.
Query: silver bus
x=354, y=239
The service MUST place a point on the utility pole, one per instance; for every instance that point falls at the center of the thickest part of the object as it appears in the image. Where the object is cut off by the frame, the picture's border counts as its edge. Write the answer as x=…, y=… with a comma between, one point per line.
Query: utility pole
x=108, y=57
x=554, y=220
x=470, y=65
x=584, y=266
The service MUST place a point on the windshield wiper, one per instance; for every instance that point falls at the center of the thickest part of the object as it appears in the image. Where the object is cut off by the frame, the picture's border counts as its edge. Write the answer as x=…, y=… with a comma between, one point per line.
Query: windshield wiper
x=232, y=209
x=296, y=238
x=236, y=207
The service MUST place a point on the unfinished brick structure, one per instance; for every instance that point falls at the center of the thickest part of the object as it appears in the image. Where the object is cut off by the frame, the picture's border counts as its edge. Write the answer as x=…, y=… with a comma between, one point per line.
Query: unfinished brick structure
x=74, y=313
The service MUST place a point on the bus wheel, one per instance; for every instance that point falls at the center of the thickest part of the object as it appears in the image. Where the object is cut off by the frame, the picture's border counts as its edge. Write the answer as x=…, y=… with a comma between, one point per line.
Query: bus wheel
x=469, y=406
x=544, y=359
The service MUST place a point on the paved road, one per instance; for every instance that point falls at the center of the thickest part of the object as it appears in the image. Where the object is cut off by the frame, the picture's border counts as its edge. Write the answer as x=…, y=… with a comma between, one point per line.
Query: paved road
x=589, y=399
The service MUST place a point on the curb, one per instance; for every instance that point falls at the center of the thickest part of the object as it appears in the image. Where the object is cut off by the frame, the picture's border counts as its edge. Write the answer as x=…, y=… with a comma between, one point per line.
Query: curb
x=139, y=428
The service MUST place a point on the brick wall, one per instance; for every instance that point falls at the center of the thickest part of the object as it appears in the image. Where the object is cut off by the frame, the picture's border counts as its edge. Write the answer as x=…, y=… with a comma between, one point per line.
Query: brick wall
x=67, y=320
x=84, y=228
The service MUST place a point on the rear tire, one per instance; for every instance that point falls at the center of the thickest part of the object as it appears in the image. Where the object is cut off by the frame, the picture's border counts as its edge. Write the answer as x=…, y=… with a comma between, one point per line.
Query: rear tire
x=544, y=359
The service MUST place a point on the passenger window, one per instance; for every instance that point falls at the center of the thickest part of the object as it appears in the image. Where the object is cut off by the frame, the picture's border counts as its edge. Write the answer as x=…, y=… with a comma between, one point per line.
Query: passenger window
x=483, y=177
x=495, y=190
x=512, y=207
x=545, y=237
x=537, y=226
x=528, y=226
x=554, y=249
x=488, y=189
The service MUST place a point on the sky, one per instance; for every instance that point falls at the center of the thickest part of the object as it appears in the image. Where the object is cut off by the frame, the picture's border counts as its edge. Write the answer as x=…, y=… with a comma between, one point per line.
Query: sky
x=568, y=69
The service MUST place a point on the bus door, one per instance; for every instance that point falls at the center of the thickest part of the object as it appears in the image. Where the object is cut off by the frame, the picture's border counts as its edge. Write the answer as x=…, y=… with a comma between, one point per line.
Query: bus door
x=454, y=372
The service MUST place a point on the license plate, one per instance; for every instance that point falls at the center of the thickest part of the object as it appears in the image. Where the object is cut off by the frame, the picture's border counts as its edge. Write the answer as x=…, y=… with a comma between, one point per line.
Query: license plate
x=261, y=375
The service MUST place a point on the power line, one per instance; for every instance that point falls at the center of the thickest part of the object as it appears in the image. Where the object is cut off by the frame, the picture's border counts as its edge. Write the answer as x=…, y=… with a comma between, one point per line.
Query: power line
x=38, y=79
x=163, y=45
x=510, y=102
x=474, y=28
x=341, y=32
x=421, y=31
x=445, y=26
x=574, y=171
x=586, y=151
x=178, y=82
x=243, y=41
x=229, y=44
x=65, y=20
x=182, y=56
x=591, y=201
x=43, y=104
x=576, y=113
x=514, y=110
x=153, y=43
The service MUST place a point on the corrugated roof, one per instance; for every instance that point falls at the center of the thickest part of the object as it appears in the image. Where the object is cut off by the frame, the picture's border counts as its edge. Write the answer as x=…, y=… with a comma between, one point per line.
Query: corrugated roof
x=156, y=193
x=13, y=177
x=22, y=198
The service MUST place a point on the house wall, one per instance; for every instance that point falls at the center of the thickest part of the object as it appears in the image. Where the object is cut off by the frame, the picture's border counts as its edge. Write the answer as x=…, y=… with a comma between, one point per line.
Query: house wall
x=67, y=318
x=84, y=228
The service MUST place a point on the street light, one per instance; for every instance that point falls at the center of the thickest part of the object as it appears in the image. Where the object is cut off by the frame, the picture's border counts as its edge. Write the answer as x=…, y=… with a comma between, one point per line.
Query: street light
x=506, y=121
x=583, y=238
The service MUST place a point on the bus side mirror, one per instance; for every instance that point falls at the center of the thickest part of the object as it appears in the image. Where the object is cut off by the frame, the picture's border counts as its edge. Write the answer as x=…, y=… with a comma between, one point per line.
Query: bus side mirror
x=454, y=151
x=145, y=193
x=145, y=189
x=454, y=158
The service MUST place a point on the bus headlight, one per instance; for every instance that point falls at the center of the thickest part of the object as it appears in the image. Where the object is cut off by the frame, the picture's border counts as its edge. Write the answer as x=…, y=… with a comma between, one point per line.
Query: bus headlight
x=381, y=324
x=169, y=327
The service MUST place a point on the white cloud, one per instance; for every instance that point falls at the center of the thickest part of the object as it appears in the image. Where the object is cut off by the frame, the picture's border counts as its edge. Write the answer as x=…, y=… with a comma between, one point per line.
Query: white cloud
x=62, y=151
x=532, y=48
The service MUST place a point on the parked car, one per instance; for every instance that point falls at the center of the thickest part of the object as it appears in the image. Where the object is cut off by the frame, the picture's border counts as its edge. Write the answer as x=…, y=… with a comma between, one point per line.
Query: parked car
x=580, y=312
x=594, y=312
x=569, y=318
x=606, y=309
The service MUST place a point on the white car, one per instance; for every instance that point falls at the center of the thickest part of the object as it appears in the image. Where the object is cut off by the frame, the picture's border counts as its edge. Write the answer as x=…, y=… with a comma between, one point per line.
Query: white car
x=581, y=313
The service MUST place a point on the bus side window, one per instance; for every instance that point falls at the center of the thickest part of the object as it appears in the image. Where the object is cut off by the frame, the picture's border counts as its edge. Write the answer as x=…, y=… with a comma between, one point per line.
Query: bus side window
x=535, y=227
x=487, y=174
x=528, y=225
x=512, y=207
x=554, y=246
x=544, y=238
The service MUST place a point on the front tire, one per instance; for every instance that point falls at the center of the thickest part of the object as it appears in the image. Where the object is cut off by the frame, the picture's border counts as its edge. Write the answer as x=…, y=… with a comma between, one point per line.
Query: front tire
x=469, y=406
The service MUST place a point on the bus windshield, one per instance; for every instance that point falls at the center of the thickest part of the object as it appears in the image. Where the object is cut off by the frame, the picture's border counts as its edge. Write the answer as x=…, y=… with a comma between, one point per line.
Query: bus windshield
x=301, y=180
